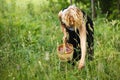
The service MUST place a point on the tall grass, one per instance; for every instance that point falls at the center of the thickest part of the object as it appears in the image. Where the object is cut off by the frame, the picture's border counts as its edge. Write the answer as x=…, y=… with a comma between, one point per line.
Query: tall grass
x=29, y=35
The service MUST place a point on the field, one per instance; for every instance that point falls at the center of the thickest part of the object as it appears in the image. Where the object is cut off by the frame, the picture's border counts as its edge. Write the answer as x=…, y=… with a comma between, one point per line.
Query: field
x=29, y=35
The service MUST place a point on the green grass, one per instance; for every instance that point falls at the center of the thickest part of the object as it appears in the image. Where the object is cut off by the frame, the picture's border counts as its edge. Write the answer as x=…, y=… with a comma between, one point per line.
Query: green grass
x=28, y=41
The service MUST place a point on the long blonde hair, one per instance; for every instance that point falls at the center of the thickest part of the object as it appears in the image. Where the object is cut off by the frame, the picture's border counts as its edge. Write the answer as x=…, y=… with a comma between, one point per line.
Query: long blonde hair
x=72, y=16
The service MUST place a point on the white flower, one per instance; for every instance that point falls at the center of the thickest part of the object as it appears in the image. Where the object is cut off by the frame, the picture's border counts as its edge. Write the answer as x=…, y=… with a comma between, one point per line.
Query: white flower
x=47, y=56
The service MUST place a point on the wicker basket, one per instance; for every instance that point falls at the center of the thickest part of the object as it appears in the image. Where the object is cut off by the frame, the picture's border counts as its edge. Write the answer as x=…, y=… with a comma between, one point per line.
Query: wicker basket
x=67, y=54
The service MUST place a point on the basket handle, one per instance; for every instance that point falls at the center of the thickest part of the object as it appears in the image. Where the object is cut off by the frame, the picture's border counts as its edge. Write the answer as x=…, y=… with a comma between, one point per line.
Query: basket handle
x=64, y=47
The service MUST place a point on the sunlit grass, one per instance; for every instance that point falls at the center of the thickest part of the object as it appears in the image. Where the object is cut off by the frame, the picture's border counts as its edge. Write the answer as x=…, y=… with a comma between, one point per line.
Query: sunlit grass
x=28, y=42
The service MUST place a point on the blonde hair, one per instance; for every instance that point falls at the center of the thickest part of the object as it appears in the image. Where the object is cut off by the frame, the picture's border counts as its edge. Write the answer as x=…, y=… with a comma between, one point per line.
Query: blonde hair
x=72, y=16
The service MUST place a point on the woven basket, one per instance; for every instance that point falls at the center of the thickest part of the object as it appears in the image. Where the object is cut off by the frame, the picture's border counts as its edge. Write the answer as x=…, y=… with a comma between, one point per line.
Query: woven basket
x=65, y=55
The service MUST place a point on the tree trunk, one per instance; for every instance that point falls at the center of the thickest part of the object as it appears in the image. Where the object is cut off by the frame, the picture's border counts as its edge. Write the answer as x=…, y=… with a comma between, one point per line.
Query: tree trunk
x=93, y=9
x=70, y=2
x=118, y=6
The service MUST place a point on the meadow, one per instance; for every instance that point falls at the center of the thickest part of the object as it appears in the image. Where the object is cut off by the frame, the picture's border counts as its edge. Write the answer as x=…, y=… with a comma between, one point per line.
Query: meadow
x=29, y=35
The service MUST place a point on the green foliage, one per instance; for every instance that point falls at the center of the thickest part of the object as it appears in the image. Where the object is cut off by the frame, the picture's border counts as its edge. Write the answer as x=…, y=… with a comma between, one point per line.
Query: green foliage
x=111, y=8
x=59, y=4
x=30, y=34
x=30, y=8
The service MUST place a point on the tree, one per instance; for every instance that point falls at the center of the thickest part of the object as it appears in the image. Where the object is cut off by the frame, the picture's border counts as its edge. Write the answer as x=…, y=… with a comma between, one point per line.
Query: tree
x=71, y=2
x=118, y=5
x=111, y=8
x=93, y=9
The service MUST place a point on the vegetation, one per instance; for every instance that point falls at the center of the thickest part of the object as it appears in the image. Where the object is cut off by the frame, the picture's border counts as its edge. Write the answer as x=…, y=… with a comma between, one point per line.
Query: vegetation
x=29, y=34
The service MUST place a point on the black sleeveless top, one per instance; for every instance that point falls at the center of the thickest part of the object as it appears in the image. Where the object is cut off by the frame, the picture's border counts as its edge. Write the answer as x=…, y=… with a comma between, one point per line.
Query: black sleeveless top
x=73, y=37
